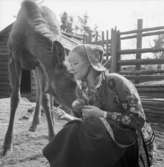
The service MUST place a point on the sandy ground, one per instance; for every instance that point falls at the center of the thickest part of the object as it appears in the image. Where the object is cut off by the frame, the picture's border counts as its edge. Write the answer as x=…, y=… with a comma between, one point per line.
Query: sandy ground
x=27, y=149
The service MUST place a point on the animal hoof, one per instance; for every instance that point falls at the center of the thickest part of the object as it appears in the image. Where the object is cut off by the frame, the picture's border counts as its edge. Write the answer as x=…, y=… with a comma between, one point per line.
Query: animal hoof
x=5, y=150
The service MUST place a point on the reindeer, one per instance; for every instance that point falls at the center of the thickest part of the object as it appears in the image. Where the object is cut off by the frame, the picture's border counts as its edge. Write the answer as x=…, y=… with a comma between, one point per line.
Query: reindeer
x=35, y=43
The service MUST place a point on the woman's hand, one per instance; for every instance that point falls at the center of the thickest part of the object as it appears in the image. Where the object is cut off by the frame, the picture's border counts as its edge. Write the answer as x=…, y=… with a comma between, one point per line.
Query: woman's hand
x=60, y=114
x=92, y=111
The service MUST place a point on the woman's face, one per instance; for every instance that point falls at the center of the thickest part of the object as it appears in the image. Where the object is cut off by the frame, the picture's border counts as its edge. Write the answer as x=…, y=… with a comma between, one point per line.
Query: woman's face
x=77, y=65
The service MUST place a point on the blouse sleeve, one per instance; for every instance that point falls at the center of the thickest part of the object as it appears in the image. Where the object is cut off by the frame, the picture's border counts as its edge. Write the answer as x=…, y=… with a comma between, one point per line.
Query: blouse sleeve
x=130, y=113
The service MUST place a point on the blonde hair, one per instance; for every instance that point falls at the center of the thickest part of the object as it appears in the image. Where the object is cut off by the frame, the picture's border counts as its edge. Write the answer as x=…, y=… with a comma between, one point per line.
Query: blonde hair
x=80, y=50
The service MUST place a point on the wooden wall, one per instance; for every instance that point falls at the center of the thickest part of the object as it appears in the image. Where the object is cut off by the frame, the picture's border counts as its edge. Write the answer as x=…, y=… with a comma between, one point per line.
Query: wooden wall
x=4, y=82
x=27, y=76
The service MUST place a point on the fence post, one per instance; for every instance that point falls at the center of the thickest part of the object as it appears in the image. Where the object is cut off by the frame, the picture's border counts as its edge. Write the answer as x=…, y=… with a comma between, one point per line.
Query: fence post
x=114, y=50
x=107, y=44
x=102, y=38
x=90, y=37
x=96, y=38
x=139, y=43
x=118, y=51
x=84, y=39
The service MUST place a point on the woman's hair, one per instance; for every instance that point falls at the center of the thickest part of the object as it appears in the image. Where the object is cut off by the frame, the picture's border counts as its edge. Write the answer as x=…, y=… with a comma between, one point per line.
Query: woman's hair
x=80, y=50
x=92, y=54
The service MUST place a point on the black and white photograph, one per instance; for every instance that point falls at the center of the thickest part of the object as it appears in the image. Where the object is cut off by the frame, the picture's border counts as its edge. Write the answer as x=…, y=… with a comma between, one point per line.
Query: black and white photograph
x=81, y=83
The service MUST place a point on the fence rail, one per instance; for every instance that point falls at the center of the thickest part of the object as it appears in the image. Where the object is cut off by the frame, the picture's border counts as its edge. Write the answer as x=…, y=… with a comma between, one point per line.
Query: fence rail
x=142, y=30
x=145, y=50
x=142, y=72
x=141, y=62
x=114, y=50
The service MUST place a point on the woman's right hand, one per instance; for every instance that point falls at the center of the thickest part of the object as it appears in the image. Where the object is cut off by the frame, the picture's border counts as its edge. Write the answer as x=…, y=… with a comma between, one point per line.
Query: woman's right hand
x=60, y=114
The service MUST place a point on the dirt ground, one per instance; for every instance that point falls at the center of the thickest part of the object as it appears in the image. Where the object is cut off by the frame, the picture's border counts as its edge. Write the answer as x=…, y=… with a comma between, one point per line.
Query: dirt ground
x=27, y=149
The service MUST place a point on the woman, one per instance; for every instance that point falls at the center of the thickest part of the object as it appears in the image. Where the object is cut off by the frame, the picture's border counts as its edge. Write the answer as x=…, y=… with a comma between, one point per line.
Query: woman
x=111, y=130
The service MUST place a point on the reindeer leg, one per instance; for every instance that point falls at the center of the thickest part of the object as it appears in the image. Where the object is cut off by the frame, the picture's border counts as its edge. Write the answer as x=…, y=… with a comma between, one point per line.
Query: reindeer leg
x=52, y=107
x=15, y=80
x=36, y=117
x=47, y=110
x=45, y=101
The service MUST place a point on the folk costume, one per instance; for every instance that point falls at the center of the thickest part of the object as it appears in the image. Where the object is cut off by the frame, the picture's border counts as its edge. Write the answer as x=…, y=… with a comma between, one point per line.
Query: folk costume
x=122, y=138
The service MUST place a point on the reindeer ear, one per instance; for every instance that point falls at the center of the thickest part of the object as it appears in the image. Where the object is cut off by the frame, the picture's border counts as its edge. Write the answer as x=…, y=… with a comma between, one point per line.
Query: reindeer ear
x=59, y=53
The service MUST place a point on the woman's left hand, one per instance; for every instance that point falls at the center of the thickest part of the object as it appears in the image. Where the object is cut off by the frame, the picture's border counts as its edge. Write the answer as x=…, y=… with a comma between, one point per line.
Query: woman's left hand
x=92, y=111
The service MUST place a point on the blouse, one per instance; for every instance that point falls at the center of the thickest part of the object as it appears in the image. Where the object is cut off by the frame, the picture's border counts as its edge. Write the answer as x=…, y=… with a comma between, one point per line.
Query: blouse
x=119, y=97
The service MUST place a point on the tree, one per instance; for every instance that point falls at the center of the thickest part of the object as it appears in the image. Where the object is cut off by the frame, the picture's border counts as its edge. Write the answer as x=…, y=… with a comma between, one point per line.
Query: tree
x=84, y=29
x=66, y=23
x=95, y=34
x=159, y=43
x=83, y=25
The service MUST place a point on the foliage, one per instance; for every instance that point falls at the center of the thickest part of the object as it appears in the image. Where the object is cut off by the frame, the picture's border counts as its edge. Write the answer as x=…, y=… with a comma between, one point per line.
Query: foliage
x=83, y=25
x=80, y=27
x=66, y=23
x=159, y=43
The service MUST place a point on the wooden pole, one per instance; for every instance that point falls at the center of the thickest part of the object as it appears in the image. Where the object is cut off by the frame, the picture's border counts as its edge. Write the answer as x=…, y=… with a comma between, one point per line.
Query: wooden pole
x=143, y=35
x=143, y=30
x=118, y=51
x=84, y=39
x=102, y=39
x=144, y=50
x=139, y=41
x=141, y=62
x=90, y=37
x=107, y=45
x=139, y=44
x=96, y=36
x=113, y=50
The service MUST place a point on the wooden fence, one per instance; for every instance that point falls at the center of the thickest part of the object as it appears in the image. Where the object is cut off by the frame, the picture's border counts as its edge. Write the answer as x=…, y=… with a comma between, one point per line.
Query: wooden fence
x=102, y=39
x=113, y=49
